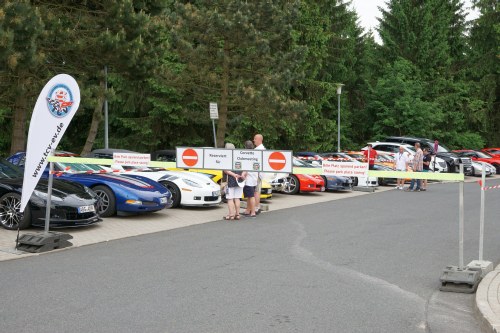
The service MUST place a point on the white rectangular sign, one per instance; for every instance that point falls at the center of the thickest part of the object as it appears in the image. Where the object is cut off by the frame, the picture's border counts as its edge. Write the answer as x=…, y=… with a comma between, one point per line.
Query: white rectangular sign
x=131, y=159
x=219, y=159
x=348, y=169
x=214, y=111
x=247, y=160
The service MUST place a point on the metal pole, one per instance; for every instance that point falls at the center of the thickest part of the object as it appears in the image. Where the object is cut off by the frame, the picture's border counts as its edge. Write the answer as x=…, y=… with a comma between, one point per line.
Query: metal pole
x=481, y=214
x=215, y=138
x=338, y=125
x=49, y=196
x=106, y=142
x=461, y=223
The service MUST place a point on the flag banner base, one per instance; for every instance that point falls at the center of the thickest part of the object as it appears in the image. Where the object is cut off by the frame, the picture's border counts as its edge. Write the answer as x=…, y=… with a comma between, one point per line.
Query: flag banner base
x=43, y=241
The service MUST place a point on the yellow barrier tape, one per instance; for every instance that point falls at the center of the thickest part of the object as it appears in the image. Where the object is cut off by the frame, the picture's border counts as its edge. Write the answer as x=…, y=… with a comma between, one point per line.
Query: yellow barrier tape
x=393, y=174
x=303, y=171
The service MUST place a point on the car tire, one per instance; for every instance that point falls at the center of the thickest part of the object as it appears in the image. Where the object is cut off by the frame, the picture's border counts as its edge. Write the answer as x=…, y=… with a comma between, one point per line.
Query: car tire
x=10, y=218
x=472, y=171
x=106, y=201
x=355, y=181
x=176, y=193
x=292, y=185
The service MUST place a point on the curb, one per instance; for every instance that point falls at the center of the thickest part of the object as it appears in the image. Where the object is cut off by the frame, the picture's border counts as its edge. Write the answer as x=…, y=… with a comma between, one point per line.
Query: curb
x=487, y=305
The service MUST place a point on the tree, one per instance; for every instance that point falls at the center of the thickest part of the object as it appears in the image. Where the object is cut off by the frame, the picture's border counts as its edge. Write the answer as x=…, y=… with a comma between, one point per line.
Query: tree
x=484, y=69
x=21, y=30
x=240, y=54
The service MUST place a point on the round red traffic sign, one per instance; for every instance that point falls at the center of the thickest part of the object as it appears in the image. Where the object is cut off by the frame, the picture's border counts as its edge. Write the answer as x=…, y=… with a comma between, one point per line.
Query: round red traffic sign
x=190, y=157
x=277, y=161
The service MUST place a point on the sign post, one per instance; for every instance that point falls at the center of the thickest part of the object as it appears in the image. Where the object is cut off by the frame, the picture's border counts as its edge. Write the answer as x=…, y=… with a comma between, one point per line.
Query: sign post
x=461, y=279
x=214, y=114
x=482, y=265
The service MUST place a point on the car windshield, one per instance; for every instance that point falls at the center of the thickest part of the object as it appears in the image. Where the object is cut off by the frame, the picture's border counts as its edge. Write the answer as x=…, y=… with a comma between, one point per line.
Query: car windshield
x=341, y=157
x=480, y=154
x=9, y=170
x=443, y=149
x=384, y=158
x=301, y=164
x=79, y=167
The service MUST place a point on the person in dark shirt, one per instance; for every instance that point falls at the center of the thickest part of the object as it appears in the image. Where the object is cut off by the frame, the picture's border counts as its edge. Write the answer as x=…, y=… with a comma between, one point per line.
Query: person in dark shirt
x=426, y=167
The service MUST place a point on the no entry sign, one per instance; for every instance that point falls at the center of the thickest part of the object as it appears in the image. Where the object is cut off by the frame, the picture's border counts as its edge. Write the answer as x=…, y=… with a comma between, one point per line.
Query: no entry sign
x=189, y=158
x=277, y=161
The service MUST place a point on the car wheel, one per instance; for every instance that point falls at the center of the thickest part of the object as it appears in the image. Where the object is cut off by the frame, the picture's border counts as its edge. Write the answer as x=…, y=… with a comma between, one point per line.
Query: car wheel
x=497, y=166
x=106, y=201
x=10, y=217
x=355, y=181
x=292, y=185
x=472, y=171
x=176, y=193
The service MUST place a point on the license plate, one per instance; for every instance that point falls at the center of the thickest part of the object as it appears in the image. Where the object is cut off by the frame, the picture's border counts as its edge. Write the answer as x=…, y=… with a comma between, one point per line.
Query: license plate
x=163, y=200
x=215, y=193
x=86, y=209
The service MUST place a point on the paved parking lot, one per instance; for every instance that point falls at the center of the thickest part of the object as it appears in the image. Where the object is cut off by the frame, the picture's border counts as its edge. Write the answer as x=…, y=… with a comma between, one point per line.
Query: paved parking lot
x=122, y=227
x=128, y=226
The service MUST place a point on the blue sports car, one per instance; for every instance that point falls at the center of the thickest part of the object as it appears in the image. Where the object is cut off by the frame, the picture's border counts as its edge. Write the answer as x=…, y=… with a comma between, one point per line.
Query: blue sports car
x=117, y=193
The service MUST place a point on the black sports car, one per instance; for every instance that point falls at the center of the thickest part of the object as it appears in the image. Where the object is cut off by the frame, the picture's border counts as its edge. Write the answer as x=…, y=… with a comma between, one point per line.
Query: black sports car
x=72, y=204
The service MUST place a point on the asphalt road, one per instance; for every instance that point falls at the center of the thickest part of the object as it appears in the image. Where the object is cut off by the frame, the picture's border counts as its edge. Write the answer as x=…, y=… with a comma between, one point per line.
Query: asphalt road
x=365, y=264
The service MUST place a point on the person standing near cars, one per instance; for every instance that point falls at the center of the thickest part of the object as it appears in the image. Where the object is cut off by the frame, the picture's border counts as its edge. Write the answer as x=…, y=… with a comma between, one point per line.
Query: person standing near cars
x=249, y=191
x=426, y=161
x=233, y=191
x=258, y=141
x=417, y=166
x=401, y=164
x=370, y=156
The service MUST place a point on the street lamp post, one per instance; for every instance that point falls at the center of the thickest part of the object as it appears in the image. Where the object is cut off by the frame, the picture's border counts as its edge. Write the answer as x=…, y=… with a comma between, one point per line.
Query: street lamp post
x=339, y=92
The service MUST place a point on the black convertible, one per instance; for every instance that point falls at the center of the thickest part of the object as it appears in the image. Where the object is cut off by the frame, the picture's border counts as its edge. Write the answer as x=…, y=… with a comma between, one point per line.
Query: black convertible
x=73, y=205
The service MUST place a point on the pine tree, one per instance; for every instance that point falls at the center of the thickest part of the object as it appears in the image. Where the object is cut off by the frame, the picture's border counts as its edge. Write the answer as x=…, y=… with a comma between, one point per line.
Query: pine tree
x=21, y=30
x=240, y=54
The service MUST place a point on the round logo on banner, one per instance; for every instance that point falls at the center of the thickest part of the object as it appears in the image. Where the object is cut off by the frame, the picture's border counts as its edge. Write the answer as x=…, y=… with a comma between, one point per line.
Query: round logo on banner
x=60, y=101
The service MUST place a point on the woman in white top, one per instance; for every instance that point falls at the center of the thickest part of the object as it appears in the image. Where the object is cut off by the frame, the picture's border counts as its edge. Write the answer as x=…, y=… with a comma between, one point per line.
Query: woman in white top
x=401, y=163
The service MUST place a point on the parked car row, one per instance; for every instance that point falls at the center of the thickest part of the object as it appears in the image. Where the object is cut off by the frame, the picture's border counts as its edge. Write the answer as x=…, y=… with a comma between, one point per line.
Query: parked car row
x=83, y=194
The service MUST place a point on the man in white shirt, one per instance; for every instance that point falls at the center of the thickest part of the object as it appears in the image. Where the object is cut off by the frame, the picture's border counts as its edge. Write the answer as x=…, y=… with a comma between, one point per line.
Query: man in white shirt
x=401, y=163
x=258, y=140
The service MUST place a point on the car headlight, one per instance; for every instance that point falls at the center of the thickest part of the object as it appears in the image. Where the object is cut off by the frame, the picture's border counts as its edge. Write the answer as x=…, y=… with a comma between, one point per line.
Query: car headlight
x=44, y=196
x=190, y=182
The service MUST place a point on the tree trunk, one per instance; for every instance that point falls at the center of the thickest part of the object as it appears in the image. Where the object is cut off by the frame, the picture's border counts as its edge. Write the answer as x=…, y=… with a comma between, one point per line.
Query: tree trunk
x=222, y=124
x=94, y=126
x=18, y=141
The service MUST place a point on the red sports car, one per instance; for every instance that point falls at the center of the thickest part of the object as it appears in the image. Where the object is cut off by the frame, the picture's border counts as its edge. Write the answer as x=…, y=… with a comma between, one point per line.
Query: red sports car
x=480, y=156
x=295, y=183
x=491, y=151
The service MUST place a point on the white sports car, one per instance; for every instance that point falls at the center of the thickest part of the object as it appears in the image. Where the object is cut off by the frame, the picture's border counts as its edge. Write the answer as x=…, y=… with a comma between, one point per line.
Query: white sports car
x=187, y=188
